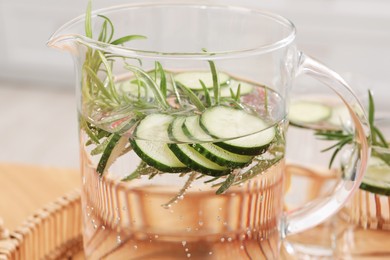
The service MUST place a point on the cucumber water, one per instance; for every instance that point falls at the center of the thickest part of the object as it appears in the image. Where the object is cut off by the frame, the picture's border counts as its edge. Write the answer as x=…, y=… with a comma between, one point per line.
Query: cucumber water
x=195, y=133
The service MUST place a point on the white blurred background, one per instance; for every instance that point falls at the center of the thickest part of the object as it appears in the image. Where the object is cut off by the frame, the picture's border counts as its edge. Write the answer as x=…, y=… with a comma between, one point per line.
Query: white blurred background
x=38, y=123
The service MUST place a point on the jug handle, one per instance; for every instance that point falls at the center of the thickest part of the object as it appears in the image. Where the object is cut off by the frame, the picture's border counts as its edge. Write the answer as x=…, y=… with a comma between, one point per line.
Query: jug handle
x=313, y=214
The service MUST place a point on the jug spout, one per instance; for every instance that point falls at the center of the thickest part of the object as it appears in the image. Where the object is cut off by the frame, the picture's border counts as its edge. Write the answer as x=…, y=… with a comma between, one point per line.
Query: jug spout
x=68, y=36
x=63, y=42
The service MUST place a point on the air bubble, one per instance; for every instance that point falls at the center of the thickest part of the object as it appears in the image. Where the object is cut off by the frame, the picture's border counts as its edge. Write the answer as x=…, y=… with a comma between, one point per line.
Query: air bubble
x=135, y=247
x=242, y=247
x=118, y=239
x=188, y=255
x=210, y=253
x=230, y=239
x=103, y=227
x=222, y=239
x=167, y=206
x=200, y=223
x=184, y=243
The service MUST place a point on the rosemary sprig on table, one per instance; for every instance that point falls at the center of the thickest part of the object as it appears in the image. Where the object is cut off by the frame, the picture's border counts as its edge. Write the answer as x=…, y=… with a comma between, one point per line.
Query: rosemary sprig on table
x=345, y=137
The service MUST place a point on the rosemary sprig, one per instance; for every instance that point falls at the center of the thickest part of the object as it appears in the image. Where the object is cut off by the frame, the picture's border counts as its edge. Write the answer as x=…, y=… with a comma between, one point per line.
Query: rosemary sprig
x=342, y=138
x=106, y=156
x=97, y=90
x=236, y=96
x=345, y=137
x=176, y=91
x=144, y=76
x=192, y=97
x=104, y=30
x=127, y=38
x=378, y=138
x=227, y=183
x=216, y=85
x=88, y=24
x=206, y=94
x=142, y=169
x=187, y=185
x=163, y=79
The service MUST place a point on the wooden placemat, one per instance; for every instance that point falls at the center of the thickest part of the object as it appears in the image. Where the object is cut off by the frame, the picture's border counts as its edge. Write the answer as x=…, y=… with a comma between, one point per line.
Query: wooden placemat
x=53, y=232
x=40, y=213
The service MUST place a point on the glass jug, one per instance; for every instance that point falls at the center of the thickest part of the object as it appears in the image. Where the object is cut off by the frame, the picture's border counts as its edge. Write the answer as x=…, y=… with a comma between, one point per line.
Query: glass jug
x=182, y=117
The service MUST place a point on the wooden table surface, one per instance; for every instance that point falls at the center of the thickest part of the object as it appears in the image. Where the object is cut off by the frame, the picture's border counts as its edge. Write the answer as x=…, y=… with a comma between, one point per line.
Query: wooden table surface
x=27, y=188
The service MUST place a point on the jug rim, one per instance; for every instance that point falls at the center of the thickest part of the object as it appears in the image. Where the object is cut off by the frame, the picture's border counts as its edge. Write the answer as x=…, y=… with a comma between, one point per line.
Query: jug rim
x=139, y=53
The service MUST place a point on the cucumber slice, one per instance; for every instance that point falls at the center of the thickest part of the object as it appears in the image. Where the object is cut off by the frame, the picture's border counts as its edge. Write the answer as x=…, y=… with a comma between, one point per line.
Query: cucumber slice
x=224, y=122
x=340, y=115
x=191, y=79
x=377, y=177
x=211, y=151
x=193, y=130
x=154, y=127
x=307, y=112
x=245, y=88
x=108, y=153
x=131, y=89
x=156, y=153
x=221, y=156
x=175, y=130
x=190, y=156
x=196, y=161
